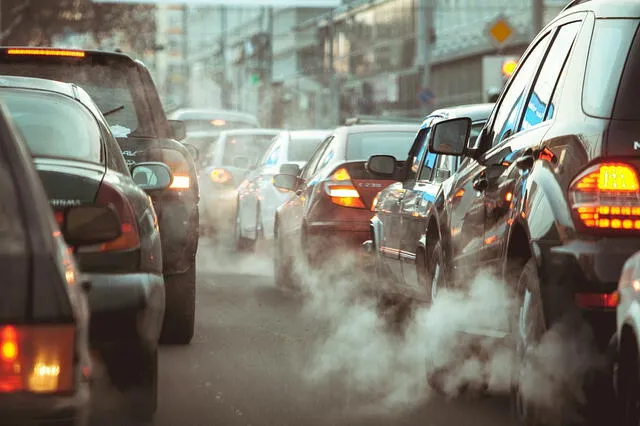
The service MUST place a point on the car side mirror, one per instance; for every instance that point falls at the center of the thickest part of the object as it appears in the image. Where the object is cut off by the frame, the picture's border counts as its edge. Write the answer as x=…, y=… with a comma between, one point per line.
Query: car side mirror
x=178, y=129
x=193, y=151
x=290, y=169
x=152, y=176
x=286, y=182
x=382, y=165
x=90, y=224
x=449, y=137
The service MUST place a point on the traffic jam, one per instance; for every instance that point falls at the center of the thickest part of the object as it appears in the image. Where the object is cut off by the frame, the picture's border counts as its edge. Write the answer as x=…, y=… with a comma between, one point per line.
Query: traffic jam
x=106, y=198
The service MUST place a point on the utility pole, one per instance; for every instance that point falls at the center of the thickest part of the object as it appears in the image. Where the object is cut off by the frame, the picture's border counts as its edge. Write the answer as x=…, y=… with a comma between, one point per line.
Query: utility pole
x=427, y=29
x=185, y=55
x=537, y=16
x=334, y=89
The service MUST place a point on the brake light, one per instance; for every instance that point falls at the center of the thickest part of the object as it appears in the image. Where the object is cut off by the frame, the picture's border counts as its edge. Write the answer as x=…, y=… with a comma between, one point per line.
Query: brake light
x=129, y=238
x=341, y=190
x=180, y=182
x=597, y=300
x=220, y=176
x=607, y=196
x=37, y=359
x=47, y=52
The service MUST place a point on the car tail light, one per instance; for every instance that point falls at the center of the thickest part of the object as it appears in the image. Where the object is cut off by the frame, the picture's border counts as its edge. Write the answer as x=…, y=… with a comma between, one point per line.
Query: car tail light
x=129, y=238
x=597, y=300
x=341, y=190
x=37, y=359
x=607, y=196
x=178, y=164
x=220, y=176
x=180, y=182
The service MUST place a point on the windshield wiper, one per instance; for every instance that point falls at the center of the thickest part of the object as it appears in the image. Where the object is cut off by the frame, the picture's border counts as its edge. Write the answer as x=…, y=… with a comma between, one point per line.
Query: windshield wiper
x=111, y=111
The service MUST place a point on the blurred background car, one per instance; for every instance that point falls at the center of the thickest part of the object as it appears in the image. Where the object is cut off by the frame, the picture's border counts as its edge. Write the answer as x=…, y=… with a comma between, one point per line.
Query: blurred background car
x=332, y=199
x=224, y=167
x=124, y=91
x=79, y=162
x=213, y=121
x=45, y=364
x=258, y=198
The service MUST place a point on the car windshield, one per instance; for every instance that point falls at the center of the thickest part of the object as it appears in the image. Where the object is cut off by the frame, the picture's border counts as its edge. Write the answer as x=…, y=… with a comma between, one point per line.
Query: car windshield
x=361, y=146
x=111, y=87
x=54, y=125
x=301, y=149
x=251, y=146
x=219, y=124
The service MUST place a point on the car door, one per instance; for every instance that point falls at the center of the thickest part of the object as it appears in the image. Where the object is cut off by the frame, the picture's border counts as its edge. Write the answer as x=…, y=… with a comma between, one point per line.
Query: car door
x=390, y=210
x=532, y=126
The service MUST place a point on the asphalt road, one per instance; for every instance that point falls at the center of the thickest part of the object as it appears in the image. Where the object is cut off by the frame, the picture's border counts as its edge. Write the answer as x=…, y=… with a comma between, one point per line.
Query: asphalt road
x=247, y=364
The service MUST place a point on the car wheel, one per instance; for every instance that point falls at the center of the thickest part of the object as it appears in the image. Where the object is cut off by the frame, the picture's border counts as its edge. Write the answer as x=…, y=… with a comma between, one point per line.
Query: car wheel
x=525, y=411
x=144, y=399
x=431, y=272
x=179, y=317
x=282, y=265
x=628, y=381
x=242, y=244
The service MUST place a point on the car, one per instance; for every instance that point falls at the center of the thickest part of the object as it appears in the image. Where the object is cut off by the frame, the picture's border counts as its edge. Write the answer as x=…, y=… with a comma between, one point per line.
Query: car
x=401, y=209
x=627, y=355
x=546, y=195
x=214, y=120
x=331, y=200
x=126, y=95
x=80, y=162
x=224, y=166
x=45, y=364
x=258, y=198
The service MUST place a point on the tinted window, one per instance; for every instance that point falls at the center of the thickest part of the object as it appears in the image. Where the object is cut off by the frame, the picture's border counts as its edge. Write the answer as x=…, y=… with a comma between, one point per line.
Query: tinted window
x=607, y=55
x=628, y=99
x=315, y=158
x=539, y=106
x=273, y=156
x=361, y=146
x=252, y=146
x=112, y=88
x=301, y=149
x=427, y=167
x=508, y=113
x=53, y=125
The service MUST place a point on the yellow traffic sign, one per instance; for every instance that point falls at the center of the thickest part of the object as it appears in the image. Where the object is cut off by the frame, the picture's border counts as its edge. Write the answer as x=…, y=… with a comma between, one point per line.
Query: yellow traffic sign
x=500, y=30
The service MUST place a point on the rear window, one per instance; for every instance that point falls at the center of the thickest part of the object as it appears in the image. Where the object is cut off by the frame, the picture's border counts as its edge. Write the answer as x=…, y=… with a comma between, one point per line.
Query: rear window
x=627, y=105
x=112, y=87
x=301, y=149
x=251, y=146
x=361, y=146
x=607, y=56
x=53, y=125
x=217, y=124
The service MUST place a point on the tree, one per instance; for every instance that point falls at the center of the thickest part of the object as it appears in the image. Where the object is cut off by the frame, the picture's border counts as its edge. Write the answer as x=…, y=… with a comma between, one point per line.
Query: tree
x=36, y=22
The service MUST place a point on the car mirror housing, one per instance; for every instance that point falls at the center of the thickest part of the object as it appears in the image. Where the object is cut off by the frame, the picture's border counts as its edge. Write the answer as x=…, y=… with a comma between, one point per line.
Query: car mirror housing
x=286, y=182
x=90, y=224
x=290, y=169
x=382, y=165
x=152, y=176
x=450, y=137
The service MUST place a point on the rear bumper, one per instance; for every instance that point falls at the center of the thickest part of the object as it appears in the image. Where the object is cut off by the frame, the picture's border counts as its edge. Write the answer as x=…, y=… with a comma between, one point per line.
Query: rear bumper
x=45, y=410
x=126, y=308
x=335, y=238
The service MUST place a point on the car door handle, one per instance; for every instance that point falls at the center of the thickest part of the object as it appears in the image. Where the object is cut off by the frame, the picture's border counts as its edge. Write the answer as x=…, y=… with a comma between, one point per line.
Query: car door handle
x=480, y=183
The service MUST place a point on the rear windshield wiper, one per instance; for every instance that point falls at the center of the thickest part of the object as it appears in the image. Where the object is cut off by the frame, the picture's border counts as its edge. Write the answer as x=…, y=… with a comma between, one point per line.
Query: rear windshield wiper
x=111, y=111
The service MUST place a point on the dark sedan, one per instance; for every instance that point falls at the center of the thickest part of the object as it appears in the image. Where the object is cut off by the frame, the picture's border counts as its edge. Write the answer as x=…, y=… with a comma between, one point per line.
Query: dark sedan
x=79, y=162
x=45, y=366
x=332, y=197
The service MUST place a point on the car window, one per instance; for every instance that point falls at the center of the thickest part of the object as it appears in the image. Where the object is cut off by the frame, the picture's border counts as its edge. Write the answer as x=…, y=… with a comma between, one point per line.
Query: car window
x=416, y=160
x=445, y=167
x=508, y=112
x=273, y=155
x=539, y=107
x=361, y=146
x=300, y=149
x=608, y=53
x=252, y=146
x=427, y=168
x=217, y=124
x=626, y=107
x=315, y=158
x=53, y=125
x=328, y=155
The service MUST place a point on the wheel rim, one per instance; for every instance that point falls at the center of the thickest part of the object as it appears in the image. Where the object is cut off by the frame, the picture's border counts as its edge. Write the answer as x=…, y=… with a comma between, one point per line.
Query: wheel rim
x=435, y=281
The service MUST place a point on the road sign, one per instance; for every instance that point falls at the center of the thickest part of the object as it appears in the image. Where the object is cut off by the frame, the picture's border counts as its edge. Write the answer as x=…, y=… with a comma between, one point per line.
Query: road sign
x=245, y=3
x=426, y=95
x=500, y=30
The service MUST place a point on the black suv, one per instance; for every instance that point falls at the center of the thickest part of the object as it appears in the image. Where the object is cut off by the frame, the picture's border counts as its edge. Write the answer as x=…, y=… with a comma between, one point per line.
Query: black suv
x=548, y=195
x=125, y=93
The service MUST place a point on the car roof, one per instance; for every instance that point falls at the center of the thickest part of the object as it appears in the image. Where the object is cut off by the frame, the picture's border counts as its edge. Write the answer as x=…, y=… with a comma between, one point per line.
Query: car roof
x=59, y=87
x=606, y=8
x=256, y=131
x=208, y=113
x=372, y=128
x=308, y=132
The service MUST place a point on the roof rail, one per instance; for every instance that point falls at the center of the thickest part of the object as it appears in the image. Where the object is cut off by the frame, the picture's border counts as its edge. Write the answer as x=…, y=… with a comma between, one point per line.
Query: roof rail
x=574, y=3
x=385, y=119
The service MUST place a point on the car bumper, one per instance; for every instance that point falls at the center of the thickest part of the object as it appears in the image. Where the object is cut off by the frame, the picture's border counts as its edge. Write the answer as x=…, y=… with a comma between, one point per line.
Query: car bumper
x=585, y=267
x=126, y=308
x=340, y=237
x=46, y=410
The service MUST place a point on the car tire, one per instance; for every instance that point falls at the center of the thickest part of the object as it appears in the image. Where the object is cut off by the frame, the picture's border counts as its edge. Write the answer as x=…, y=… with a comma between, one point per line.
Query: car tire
x=283, y=267
x=432, y=272
x=179, y=317
x=628, y=382
x=242, y=244
x=144, y=399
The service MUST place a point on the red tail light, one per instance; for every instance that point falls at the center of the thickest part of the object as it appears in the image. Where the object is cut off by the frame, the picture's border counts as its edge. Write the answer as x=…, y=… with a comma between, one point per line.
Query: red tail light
x=221, y=176
x=37, y=359
x=341, y=190
x=607, y=196
x=129, y=239
x=597, y=300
